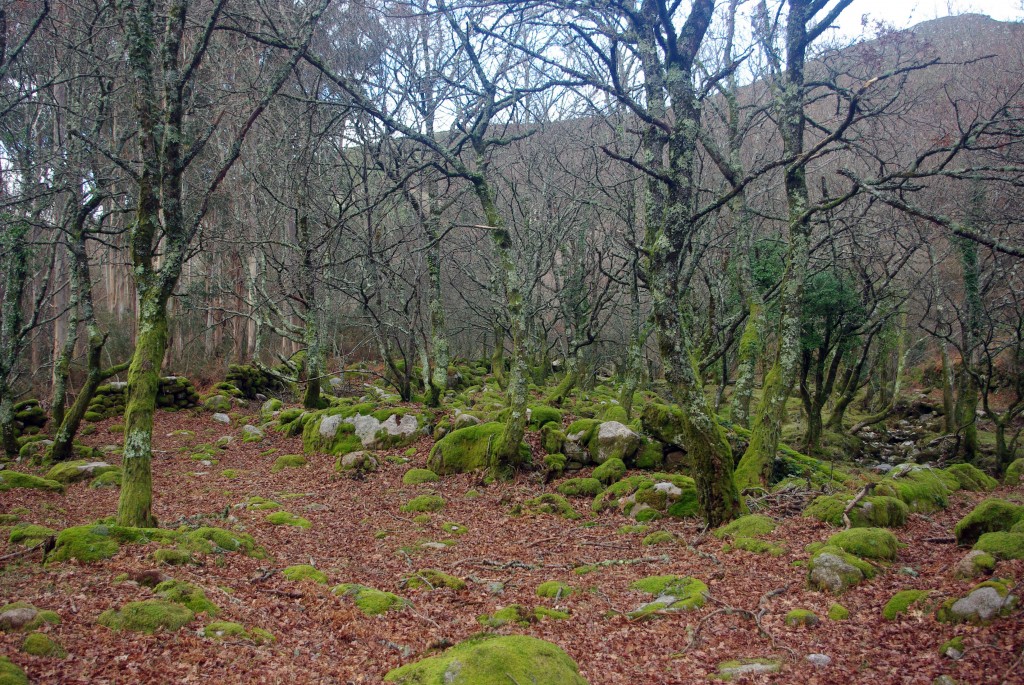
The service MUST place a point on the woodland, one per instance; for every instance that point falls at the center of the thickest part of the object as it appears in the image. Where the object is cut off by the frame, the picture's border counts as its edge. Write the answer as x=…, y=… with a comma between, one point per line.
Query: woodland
x=476, y=342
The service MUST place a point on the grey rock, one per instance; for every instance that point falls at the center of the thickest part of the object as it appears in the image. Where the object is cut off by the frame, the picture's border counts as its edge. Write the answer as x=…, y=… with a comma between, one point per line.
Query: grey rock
x=751, y=667
x=16, y=619
x=944, y=680
x=615, y=440
x=252, y=432
x=968, y=567
x=463, y=420
x=819, y=660
x=329, y=426
x=982, y=604
x=833, y=573
x=222, y=418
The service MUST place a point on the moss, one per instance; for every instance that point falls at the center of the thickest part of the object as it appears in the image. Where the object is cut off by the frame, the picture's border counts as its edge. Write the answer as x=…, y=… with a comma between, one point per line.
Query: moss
x=1002, y=545
x=870, y=512
x=946, y=613
x=432, y=579
x=554, y=589
x=540, y=613
x=41, y=618
x=219, y=630
x=72, y=471
x=852, y=570
x=108, y=479
x=972, y=478
x=988, y=516
x=552, y=437
x=257, y=503
x=370, y=601
x=454, y=528
x=186, y=594
x=867, y=543
x=650, y=455
x=29, y=534
x=751, y=526
x=10, y=480
x=837, y=612
x=542, y=414
x=211, y=540
x=84, y=544
x=11, y=673
x=633, y=529
x=510, y=614
x=302, y=572
x=755, y=546
x=580, y=487
x=672, y=593
x=493, y=660
x=955, y=644
x=469, y=449
x=903, y=601
x=555, y=463
x=288, y=461
x=660, y=537
x=740, y=668
x=923, y=489
x=147, y=617
x=284, y=518
x=1014, y=473
x=610, y=471
x=422, y=519
x=423, y=503
x=261, y=636
x=548, y=503
x=418, y=476
x=172, y=557
x=801, y=617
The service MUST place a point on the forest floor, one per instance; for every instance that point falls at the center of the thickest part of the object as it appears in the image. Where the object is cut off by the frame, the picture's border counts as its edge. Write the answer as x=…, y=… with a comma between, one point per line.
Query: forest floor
x=360, y=535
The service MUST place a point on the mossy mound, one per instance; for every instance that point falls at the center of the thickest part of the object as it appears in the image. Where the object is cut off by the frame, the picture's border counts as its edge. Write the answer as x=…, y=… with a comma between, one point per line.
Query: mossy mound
x=648, y=497
x=370, y=601
x=453, y=528
x=80, y=469
x=257, y=503
x=837, y=612
x=983, y=604
x=1014, y=473
x=510, y=614
x=835, y=570
x=869, y=512
x=541, y=415
x=801, y=617
x=470, y=449
x=610, y=471
x=284, y=518
x=924, y=490
x=548, y=503
x=659, y=537
x=972, y=478
x=672, y=593
x=554, y=589
x=1002, y=545
x=186, y=594
x=418, y=476
x=94, y=542
x=108, y=479
x=288, y=461
x=752, y=526
x=988, y=516
x=301, y=572
x=581, y=487
x=173, y=557
x=866, y=543
x=423, y=503
x=25, y=617
x=754, y=546
x=41, y=644
x=223, y=630
x=552, y=438
x=10, y=480
x=744, y=668
x=493, y=660
x=905, y=601
x=11, y=673
x=29, y=534
x=432, y=579
x=210, y=540
x=147, y=617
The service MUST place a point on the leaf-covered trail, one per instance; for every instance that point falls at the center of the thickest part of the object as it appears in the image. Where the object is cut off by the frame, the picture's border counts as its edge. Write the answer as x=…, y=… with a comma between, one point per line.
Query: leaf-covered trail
x=359, y=535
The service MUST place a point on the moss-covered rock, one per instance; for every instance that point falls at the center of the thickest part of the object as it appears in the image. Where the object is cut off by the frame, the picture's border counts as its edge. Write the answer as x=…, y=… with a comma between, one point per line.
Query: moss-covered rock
x=581, y=487
x=835, y=570
x=554, y=589
x=424, y=503
x=744, y=668
x=650, y=456
x=223, y=630
x=173, y=557
x=22, y=616
x=869, y=512
x=40, y=644
x=751, y=526
x=10, y=480
x=257, y=503
x=923, y=489
x=211, y=540
x=453, y=528
x=108, y=479
x=1014, y=473
x=99, y=541
x=493, y=660
x=610, y=471
x=470, y=449
x=187, y=595
x=866, y=543
x=555, y=464
x=801, y=617
x=988, y=516
x=552, y=437
x=284, y=518
x=754, y=546
x=1002, y=545
x=419, y=476
x=972, y=478
x=370, y=601
x=548, y=503
x=432, y=579
x=648, y=497
x=984, y=603
x=837, y=612
x=976, y=563
x=11, y=673
x=147, y=617
x=672, y=593
x=510, y=614
x=29, y=534
x=659, y=537
x=80, y=469
x=288, y=461
x=540, y=415
x=301, y=572
x=905, y=601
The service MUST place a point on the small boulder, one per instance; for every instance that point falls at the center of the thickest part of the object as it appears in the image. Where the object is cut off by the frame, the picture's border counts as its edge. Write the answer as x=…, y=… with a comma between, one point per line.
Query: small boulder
x=981, y=605
x=222, y=418
x=614, y=441
x=975, y=564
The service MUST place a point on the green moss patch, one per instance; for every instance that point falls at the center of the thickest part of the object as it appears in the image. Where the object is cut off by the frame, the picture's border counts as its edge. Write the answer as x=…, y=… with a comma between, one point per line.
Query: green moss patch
x=610, y=471
x=10, y=480
x=672, y=593
x=542, y=414
x=1002, y=545
x=493, y=660
x=581, y=487
x=801, y=617
x=172, y=557
x=11, y=673
x=660, y=537
x=288, y=461
x=923, y=489
x=257, y=503
x=186, y=594
x=302, y=572
x=29, y=534
x=988, y=516
x=835, y=570
x=837, y=612
x=469, y=449
x=79, y=469
x=423, y=503
x=548, y=503
x=983, y=604
x=284, y=518
x=754, y=546
x=905, y=601
x=418, y=476
x=40, y=644
x=752, y=526
x=454, y=528
x=33, y=619
x=108, y=479
x=972, y=478
x=510, y=614
x=1014, y=473
x=432, y=579
x=869, y=512
x=554, y=589
x=370, y=601
x=224, y=630
x=147, y=617
x=867, y=543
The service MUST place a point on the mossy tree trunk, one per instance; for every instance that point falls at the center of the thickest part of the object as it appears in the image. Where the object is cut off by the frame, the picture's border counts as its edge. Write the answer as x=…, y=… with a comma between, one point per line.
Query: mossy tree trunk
x=14, y=253
x=313, y=363
x=970, y=334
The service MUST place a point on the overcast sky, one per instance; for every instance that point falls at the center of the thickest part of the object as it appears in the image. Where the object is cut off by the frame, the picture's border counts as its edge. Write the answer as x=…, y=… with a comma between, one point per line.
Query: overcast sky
x=904, y=13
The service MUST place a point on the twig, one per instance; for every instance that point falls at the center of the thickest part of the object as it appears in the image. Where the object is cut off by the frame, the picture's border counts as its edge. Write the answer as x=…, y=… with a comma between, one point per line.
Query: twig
x=23, y=552
x=849, y=507
x=940, y=541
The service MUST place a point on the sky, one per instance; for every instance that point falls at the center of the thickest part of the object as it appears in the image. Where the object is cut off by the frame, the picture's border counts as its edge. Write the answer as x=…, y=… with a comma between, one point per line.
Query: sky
x=904, y=13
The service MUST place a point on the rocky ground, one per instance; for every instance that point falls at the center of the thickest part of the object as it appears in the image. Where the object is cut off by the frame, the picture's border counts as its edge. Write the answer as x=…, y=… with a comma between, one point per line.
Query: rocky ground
x=359, y=533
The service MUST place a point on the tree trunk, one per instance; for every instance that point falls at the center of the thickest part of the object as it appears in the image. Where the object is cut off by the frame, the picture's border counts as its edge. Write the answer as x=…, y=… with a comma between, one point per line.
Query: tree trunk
x=10, y=441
